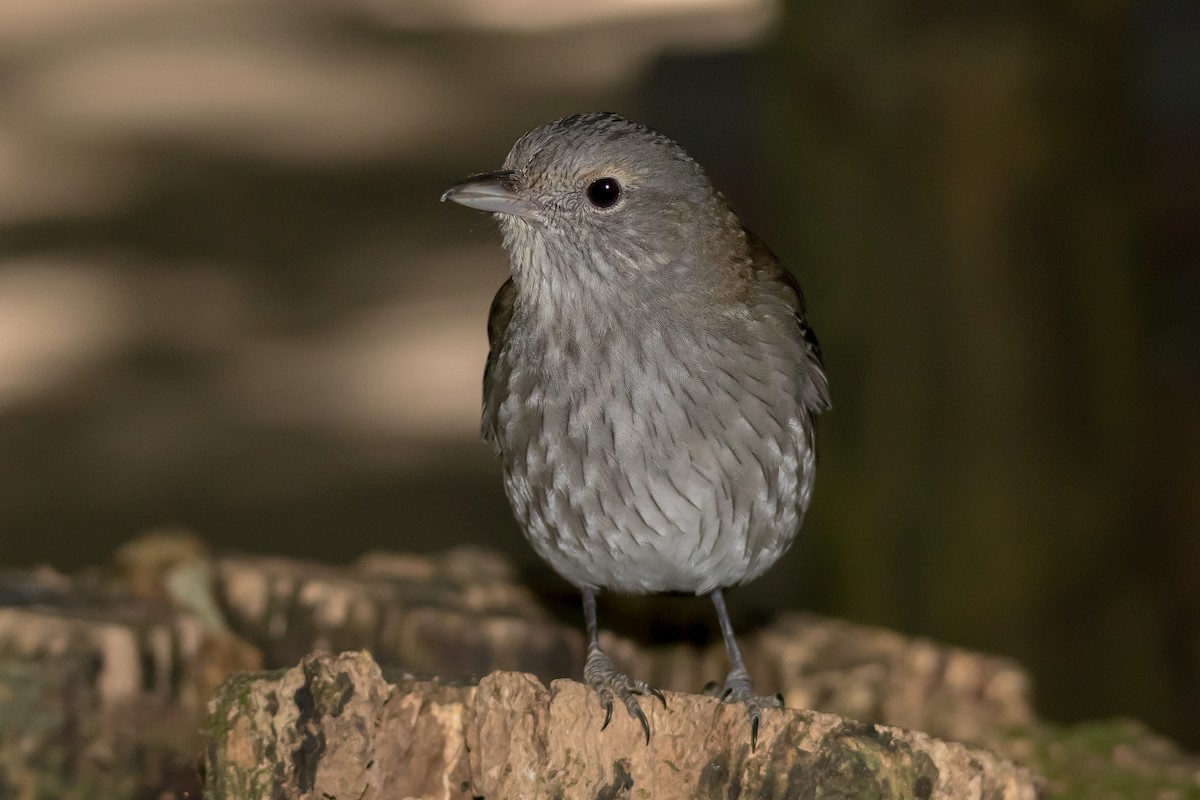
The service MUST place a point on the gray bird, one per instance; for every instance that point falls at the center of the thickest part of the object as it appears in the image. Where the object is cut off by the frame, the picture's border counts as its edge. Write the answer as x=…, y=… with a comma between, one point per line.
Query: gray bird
x=652, y=384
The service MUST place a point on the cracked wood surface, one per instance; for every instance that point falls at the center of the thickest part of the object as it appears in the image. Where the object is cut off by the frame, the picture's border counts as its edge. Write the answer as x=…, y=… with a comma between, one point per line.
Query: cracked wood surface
x=334, y=727
x=105, y=675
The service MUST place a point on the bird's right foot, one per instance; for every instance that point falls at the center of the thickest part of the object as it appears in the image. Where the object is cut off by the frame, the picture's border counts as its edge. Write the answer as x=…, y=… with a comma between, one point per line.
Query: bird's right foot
x=737, y=690
x=610, y=685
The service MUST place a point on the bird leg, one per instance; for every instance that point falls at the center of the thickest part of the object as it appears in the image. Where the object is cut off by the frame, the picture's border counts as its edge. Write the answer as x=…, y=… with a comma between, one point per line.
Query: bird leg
x=610, y=685
x=737, y=684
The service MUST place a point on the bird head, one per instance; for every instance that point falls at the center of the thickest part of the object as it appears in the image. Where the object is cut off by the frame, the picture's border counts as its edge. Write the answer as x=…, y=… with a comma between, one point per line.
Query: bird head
x=596, y=203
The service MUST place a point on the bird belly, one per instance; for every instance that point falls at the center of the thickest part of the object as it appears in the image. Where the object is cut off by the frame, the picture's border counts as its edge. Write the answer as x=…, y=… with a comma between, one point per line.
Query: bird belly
x=651, y=486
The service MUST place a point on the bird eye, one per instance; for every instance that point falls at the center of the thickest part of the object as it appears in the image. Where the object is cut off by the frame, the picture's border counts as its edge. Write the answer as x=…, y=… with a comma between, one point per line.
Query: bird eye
x=604, y=193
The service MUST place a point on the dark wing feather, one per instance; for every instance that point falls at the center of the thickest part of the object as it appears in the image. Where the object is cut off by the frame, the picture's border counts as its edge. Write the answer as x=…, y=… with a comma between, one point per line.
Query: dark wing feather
x=771, y=276
x=498, y=318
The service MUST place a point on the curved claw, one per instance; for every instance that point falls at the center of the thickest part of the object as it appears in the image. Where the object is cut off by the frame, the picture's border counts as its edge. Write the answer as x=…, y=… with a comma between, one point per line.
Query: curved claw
x=737, y=690
x=711, y=689
x=637, y=712
x=611, y=685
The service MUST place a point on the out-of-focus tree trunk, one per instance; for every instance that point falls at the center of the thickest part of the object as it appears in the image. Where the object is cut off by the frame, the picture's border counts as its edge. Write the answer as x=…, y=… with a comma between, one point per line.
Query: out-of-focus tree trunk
x=957, y=187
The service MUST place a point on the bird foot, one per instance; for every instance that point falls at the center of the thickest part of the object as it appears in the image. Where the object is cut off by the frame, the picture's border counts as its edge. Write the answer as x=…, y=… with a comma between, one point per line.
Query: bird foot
x=610, y=685
x=737, y=690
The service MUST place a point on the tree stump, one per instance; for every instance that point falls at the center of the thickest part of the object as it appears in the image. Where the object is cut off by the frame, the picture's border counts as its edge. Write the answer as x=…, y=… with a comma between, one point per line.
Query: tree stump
x=105, y=677
x=333, y=727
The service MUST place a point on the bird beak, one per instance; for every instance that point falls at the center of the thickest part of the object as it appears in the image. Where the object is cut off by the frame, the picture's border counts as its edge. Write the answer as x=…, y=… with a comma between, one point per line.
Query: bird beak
x=495, y=192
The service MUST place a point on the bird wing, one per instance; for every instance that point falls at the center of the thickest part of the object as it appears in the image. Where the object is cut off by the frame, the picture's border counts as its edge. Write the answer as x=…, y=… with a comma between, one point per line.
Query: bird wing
x=498, y=317
x=773, y=278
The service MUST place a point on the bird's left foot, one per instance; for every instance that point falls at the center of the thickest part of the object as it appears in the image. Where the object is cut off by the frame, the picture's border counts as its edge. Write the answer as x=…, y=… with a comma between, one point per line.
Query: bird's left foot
x=737, y=690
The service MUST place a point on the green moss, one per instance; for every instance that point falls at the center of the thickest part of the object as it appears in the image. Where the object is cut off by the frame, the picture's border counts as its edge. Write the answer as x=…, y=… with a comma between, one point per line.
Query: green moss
x=232, y=701
x=1111, y=759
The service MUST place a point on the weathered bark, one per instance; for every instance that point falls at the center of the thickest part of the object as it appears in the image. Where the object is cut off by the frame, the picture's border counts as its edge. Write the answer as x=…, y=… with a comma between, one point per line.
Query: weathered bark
x=104, y=678
x=334, y=728
x=103, y=698
x=463, y=613
x=876, y=675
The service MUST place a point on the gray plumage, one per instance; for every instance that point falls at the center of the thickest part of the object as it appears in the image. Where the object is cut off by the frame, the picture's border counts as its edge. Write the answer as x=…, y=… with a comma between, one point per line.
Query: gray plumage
x=652, y=382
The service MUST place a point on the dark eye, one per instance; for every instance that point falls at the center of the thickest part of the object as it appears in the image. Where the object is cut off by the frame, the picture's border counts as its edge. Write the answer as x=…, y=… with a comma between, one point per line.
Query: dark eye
x=604, y=193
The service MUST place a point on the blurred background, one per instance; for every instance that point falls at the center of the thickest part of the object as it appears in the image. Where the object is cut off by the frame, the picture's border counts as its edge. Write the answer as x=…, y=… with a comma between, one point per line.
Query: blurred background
x=230, y=301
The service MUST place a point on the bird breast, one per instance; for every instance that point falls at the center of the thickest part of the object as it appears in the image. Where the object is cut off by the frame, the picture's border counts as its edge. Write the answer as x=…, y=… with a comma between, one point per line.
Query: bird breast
x=656, y=458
